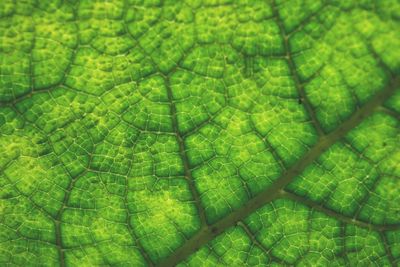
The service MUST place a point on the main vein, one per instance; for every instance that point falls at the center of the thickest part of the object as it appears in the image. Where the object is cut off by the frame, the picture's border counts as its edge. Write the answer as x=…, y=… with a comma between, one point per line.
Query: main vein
x=274, y=191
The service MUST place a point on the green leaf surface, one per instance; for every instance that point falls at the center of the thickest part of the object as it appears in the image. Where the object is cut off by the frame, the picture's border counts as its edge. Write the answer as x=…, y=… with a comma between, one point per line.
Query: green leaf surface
x=200, y=133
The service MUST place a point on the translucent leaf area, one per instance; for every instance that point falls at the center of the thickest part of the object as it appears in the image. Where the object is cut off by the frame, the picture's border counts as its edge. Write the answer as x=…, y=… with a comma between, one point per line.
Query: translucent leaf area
x=199, y=133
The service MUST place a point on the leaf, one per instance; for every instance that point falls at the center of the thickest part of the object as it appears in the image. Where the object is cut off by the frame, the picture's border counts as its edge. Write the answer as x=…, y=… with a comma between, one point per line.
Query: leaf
x=199, y=133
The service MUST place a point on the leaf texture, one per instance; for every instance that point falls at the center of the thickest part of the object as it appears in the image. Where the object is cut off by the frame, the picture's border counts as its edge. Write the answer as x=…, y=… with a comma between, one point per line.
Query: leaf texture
x=199, y=133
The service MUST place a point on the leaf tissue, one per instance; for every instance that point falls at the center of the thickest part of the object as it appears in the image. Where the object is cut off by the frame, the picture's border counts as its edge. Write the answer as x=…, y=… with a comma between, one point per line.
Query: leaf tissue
x=200, y=133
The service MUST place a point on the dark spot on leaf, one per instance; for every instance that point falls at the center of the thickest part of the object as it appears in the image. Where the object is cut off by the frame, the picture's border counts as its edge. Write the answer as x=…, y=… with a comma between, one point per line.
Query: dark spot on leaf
x=384, y=144
x=214, y=230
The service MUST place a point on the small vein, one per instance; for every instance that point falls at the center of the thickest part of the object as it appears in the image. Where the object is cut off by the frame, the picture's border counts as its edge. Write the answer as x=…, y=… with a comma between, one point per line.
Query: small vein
x=389, y=112
x=259, y=244
x=184, y=156
x=343, y=218
x=387, y=249
x=293, y=71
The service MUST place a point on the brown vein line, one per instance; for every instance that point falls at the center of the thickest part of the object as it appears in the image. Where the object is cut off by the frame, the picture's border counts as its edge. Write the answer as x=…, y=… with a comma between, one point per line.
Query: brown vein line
x=58, y=218
x=343, y=218
x=255, y=241
x=135, y=238
x=206, y=234
x=389, y=253
x=57, y=223
x=29, y=199
x=293, y=71
x=389, y=112
x=269, y=146
x=183, y=155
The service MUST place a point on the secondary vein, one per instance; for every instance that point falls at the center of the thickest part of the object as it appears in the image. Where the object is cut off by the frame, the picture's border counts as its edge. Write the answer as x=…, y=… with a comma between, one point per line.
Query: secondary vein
x=340, y=217
x=184, y=156
x=293, y=72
